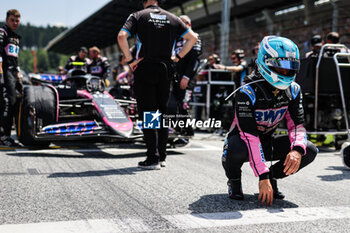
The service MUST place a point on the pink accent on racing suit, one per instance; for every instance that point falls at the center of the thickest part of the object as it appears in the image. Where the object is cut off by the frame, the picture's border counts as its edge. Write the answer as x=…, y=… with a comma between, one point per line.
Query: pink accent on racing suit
x=296, y=133
x=256, y=154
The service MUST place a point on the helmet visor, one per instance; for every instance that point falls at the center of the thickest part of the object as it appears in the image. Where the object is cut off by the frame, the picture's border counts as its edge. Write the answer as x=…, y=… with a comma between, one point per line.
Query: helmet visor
x=284, y=63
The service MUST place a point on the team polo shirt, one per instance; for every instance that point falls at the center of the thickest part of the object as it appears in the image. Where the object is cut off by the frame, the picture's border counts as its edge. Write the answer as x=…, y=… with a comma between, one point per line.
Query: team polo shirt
x=156, y=31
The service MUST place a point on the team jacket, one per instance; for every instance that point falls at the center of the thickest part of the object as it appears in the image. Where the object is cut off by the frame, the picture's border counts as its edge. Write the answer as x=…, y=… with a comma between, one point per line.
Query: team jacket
x=99, y=67
x=9, y=48
x=257, y=114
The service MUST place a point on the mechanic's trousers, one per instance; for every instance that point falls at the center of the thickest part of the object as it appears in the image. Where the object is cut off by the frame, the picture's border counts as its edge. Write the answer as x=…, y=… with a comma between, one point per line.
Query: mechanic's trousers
x=151, y=88
x=274, y=148
x=9, y=94
x=179, y=95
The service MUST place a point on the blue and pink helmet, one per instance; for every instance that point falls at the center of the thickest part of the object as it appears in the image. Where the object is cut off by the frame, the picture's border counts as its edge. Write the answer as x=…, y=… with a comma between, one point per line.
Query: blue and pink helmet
x=278, y=61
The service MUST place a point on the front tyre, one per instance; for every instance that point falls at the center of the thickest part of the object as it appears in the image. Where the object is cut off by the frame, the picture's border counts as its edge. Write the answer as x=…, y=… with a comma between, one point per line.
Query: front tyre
x=38, y=108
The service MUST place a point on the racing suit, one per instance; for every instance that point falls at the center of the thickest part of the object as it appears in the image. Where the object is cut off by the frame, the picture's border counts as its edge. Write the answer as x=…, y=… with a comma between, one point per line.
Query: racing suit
x=259, y=108
x=11, y=85
x=99, y=67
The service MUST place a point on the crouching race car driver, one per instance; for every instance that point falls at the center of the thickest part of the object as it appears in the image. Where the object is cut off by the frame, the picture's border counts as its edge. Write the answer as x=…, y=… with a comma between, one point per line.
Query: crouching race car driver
x=259, y=107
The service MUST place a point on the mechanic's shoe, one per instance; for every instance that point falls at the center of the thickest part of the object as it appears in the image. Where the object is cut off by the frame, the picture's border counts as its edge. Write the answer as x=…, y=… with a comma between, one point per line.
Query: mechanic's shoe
x=235, y=189
x=276, y=194
x=8, y=141
x=162, y=163
x=150, y=165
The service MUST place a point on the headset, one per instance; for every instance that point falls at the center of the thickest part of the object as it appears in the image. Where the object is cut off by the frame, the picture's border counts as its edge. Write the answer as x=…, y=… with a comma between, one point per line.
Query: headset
x=239, y=53
x=216, y=58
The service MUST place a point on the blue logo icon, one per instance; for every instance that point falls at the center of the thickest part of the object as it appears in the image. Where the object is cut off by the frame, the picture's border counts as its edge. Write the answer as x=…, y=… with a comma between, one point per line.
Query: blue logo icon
x=151, y=120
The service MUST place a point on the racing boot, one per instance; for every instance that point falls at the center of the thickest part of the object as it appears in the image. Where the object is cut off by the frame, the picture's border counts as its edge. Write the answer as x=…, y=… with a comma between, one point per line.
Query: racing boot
x=235, y=189
x=276, y=194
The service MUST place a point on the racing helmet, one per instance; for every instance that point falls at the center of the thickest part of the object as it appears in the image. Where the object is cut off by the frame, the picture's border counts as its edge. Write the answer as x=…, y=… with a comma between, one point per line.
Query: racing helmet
x=278, y=61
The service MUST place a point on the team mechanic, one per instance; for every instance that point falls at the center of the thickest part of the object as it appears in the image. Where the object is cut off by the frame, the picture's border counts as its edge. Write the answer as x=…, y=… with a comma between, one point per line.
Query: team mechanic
x=259, y=107
x=10, y=80
x=98, y=66
x=240, y=67
x=156, y=31
x=186, y=69
x=80, y=57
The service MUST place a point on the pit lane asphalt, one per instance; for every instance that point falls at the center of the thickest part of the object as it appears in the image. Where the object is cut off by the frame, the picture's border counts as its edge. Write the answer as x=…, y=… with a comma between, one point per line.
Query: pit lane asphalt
x=97, y=187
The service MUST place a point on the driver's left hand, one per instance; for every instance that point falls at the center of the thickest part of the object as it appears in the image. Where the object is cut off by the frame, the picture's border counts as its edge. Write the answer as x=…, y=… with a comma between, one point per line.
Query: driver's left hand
x=292, y=162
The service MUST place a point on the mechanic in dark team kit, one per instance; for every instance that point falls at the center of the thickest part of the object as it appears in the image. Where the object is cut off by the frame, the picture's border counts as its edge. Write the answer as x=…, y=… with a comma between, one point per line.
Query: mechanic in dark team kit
x=156, y=31
x=259, y=107
x=240, y=66
x=10, y=81
x=80, y=57
x=98, y=66
x=186, y=69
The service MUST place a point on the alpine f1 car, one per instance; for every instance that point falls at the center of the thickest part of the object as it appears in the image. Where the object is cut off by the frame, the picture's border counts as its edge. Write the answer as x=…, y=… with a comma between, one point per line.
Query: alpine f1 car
x=73, y=106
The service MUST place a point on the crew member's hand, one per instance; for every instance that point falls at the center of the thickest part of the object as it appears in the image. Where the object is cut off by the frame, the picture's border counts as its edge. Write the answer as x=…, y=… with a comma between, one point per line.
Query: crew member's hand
x=219, y=66
x=133, y=65
x=292, y=162
x=185, y=106
x=265, y=192
x=175, y=59
x=184, y=83
x=19, y=86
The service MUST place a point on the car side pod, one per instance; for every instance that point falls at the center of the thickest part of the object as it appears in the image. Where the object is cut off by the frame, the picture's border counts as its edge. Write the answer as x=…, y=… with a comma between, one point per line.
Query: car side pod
x=345, y=153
